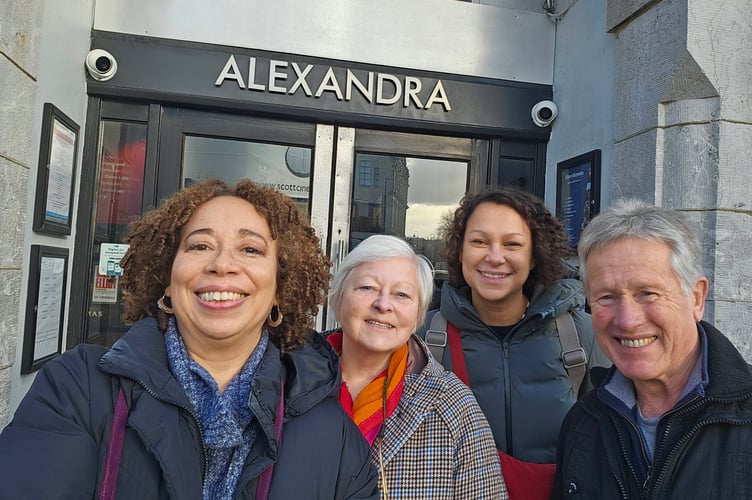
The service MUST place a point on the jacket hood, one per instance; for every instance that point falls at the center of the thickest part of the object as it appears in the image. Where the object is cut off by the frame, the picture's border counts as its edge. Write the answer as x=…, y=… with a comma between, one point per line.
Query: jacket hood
x=311, y=371
x=545, y=303
x=312, y=374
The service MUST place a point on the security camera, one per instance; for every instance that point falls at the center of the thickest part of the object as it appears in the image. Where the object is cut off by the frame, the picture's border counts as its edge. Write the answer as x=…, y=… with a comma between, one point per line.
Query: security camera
x=101, y=65
x=544, y=113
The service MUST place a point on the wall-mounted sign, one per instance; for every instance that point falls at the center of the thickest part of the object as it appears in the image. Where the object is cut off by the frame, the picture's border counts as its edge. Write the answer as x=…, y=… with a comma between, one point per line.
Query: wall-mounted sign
x=312, y=88
x=43, y=331
x=578, y=193
x=53, y=207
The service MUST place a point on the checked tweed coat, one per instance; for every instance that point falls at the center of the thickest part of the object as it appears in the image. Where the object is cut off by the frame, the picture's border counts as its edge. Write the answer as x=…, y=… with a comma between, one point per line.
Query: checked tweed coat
x=437, y=444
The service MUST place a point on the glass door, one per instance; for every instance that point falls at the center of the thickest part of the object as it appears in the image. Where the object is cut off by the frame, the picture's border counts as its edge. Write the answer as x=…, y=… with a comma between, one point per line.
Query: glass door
x=291, y=157
x=350, y=182
x=407, y=185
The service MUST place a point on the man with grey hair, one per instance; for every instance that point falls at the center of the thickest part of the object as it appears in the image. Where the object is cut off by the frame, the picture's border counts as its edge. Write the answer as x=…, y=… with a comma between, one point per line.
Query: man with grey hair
x=673, y=417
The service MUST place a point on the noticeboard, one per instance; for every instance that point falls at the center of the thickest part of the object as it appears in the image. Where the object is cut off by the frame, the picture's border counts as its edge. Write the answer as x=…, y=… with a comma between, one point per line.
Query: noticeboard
x=578, y=193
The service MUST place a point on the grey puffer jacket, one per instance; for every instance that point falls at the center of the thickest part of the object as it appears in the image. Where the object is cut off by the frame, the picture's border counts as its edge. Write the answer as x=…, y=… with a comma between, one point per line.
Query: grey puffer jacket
x=520, y=381
x=56, y=445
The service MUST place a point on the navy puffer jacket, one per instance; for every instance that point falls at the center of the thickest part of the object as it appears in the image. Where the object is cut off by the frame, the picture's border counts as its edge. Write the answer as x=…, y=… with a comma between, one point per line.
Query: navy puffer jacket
x=56, y=445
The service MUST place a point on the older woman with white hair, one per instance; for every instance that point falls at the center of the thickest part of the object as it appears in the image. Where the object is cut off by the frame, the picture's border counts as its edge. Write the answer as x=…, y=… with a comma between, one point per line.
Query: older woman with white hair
x=427, y=433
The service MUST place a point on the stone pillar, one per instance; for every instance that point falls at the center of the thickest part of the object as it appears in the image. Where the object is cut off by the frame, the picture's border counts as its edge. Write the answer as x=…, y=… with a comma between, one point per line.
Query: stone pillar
x=19, y=45
x=683, y=133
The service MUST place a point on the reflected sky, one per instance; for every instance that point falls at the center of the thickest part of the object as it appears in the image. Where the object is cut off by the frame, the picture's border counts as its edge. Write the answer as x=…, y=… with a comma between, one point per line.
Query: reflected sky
x=436, y=187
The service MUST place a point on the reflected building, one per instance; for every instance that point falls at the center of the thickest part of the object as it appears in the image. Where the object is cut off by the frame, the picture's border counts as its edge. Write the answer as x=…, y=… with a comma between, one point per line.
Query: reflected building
x=379, y=201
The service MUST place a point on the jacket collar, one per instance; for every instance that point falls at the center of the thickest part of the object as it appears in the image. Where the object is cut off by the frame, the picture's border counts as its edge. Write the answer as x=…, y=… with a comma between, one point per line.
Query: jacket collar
x=311, y=371
x=722, y=374
x=141, y=355
x=565, y=294
x=729, y=375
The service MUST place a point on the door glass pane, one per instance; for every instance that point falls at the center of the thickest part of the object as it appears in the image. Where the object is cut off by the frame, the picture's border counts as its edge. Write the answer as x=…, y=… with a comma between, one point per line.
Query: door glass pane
x=121, y=160
x=285, y=168
x=516, y=172
x=413, y=198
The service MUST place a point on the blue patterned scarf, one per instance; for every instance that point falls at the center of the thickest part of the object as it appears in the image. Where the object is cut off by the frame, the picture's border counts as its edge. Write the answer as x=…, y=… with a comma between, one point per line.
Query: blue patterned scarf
x=225, y=418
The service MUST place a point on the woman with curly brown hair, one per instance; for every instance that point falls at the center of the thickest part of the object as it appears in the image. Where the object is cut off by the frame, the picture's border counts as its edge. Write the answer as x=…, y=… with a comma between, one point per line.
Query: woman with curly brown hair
x=507, y=285
x=223, y=283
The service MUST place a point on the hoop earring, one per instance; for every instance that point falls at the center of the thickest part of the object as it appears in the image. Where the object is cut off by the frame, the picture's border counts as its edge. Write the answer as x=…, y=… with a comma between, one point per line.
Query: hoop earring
x=275, y=322
x=164, y=307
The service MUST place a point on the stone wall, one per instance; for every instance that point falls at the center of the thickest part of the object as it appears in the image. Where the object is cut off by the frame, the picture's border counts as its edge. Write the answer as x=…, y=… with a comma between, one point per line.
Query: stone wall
x=19, y=41
x=683, y=132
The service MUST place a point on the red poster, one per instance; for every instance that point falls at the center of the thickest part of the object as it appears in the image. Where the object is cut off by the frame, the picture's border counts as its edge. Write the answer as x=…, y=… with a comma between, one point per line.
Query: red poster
x=121, y=182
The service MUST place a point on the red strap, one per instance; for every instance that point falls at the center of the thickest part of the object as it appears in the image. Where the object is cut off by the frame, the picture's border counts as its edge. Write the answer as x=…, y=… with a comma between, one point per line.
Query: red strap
x=458, y=357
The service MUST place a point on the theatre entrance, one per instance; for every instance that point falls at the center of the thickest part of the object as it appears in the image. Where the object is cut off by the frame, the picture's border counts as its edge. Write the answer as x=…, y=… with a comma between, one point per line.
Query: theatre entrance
x=350, y=182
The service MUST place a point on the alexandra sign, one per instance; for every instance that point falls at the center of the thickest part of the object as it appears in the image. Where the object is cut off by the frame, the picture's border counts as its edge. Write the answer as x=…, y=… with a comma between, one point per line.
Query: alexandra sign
x=315, y=81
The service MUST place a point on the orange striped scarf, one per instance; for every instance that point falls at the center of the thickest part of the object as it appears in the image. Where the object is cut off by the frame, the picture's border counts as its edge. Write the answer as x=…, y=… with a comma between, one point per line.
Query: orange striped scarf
x=367, y=409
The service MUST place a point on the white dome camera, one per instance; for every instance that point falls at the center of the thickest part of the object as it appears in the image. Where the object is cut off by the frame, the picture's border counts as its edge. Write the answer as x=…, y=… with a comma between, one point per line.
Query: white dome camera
x=544, y=113
x=101, y=65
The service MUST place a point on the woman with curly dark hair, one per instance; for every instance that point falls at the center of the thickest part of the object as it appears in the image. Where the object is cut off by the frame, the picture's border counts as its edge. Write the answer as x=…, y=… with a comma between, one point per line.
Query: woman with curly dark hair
x=508, y=283
x=222, y=284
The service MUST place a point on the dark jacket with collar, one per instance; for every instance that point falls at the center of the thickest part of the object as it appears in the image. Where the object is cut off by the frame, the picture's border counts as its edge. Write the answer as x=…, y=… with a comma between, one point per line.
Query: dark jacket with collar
x=56, y=445
x=703, y=446
x=520, y=381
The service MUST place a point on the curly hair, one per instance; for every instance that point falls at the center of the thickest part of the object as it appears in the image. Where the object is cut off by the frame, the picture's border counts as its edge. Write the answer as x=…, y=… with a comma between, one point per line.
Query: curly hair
x=550, y=246
x=303, y=271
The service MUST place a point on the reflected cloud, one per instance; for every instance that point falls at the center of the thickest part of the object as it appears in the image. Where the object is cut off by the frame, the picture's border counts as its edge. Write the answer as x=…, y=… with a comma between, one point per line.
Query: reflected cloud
x=423, y=220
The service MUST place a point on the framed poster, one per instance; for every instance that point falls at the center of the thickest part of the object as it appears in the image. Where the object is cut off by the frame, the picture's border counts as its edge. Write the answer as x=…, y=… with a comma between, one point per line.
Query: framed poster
x=578, y=193
x=43, y=332
x=53, y=205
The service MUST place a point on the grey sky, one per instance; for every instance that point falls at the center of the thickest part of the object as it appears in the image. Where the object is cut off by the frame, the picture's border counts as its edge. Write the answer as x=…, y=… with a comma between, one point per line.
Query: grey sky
x=436, y=186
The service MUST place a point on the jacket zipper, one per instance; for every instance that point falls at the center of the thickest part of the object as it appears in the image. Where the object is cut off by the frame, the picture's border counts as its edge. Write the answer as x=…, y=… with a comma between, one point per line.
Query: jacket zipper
x=614, y=459
x=647, y=488
x=190, y=411
x=690, y=406
x=507, y=399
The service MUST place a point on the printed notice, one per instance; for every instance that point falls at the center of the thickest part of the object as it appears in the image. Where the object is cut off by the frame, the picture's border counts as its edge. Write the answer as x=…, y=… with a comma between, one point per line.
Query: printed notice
x=105, y=288
x=49, y=306
x=109, y=258
x=62, y=157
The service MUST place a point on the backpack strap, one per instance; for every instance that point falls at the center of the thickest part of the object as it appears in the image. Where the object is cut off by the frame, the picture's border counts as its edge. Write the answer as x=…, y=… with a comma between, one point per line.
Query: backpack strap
x=436, y=336
x=115, y=449
x=572, y=354
x=441, y=333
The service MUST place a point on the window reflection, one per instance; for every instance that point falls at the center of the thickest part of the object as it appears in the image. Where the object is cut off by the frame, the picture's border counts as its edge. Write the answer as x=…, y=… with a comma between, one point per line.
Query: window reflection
x=413, y=198
x=285, y=168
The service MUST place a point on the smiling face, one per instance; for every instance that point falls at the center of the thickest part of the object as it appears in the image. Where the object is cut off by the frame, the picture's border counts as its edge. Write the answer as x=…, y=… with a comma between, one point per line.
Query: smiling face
x=642, y=319
x=224, y=276
x=379, y=307
x=497, y=256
